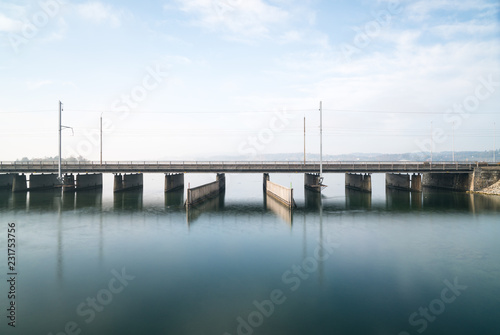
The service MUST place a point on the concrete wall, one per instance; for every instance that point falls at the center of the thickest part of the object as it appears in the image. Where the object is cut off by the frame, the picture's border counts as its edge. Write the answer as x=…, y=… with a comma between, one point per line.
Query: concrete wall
x=174, y=182
x=127, y=182
x=19, y=183
x=6, y=181
x=280, y=193
x=461, y=182
x=404, y=182
x=43, y=181
x=397, y=181
x=199, y=194
x=484, y=178
x=88, y=181
x=117, y=183
x=358, y=182
x=311, y=182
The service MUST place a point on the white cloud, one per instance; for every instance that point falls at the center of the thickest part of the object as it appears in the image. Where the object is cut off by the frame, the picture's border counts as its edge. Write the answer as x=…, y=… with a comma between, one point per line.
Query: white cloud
x=422, y=10
x=33, y=85
x=466, y=28
x=247, y=18
x=99, y=13
x=8, y=24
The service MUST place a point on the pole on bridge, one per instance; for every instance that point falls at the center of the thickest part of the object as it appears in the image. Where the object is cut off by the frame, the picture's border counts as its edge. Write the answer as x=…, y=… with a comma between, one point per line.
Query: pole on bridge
x=320, y=142
x=59, y=175
x=100, y=128
x=304, y=140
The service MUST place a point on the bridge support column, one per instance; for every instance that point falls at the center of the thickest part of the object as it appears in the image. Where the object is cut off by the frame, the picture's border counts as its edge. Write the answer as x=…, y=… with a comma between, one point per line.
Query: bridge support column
x=265, y=179
x=416, y=183
x=461, y=182
x=43, y=181
x=6, y=181
x=68, y=183
x=174, y=182
x=280, y=193
x=89, y=181
x=127, y=182
x=19, y=183
x=199, y=194
x=358, y=182
x=403, y=182
x=311, y=182
x=117, y=183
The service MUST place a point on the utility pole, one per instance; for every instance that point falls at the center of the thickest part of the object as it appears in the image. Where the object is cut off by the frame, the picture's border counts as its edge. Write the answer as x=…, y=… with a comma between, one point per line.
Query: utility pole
x=432, y=141
x=453, y=142
x=320, y=142
x=100, y=131
x=304, y=140
x=494, y=142
x=59, y=175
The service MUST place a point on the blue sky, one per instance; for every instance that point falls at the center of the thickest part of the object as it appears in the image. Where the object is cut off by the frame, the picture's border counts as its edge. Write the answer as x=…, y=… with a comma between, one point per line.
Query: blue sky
x=188, y=79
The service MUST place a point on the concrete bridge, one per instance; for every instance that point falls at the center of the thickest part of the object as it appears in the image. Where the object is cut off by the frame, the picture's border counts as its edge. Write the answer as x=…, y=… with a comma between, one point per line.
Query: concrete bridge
x=237, y=167
x=410, y=176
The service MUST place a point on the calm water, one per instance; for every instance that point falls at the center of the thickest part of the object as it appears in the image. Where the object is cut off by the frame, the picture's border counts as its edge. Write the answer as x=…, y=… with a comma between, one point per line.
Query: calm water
x=346, y=263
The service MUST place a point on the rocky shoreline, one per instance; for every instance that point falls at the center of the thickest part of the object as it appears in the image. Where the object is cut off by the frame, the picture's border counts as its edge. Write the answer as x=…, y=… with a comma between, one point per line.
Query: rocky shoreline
x=491, y=190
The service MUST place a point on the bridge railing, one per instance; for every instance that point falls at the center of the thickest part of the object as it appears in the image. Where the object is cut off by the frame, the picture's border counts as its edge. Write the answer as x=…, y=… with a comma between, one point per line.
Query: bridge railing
x=243, y=165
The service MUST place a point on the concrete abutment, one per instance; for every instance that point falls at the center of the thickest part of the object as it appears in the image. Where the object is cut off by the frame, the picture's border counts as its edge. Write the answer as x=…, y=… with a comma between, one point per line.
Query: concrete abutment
x=174, y=182
x=282, y=194
x=312, y=182
x=358, y=182
x=6, y=181
x=404, y=182
x=127, y=182
x=202, y=193
x=43, y=181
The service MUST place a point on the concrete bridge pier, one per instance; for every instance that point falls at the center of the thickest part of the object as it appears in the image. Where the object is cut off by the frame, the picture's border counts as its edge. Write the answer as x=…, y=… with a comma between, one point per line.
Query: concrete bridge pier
x=280, y=193
x=68, y=183
x=202, y=193
x=404, y=182
x=312, y=182
x=19, y=183
x=43, y=181
x=358, y=182
x=174, y=182
x=6, y=181
x=127, y=182
x=90, y=181
x=460, y=182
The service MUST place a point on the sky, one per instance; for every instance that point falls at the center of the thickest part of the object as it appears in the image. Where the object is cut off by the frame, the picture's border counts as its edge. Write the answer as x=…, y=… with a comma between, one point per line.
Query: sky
x=194, y=79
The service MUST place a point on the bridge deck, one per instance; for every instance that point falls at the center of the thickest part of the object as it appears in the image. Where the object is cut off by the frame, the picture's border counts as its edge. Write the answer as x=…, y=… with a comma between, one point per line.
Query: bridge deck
x=239, y=167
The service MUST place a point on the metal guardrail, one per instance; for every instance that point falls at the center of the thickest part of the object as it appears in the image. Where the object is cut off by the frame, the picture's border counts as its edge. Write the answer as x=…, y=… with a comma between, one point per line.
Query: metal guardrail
x=238, y=166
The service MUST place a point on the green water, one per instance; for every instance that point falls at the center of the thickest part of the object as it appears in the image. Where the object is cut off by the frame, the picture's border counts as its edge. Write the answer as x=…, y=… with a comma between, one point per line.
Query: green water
x=345, y=263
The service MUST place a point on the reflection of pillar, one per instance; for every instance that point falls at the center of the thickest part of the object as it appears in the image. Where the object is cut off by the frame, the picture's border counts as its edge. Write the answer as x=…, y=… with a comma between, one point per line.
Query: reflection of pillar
x=321, y=241
x=59, y=246
x=100, y=238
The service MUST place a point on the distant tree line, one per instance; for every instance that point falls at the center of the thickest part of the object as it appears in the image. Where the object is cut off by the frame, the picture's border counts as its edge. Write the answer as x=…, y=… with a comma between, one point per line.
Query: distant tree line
x=53, y=159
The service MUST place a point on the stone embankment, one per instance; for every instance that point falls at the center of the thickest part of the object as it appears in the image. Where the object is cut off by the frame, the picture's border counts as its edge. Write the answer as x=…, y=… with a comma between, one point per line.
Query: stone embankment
x=493, y=189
